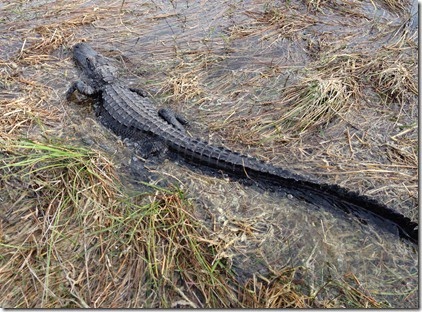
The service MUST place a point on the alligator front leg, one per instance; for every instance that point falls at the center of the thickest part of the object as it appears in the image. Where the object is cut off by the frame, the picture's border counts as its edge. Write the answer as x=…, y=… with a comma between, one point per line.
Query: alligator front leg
x=82, y=88
x=173, y=118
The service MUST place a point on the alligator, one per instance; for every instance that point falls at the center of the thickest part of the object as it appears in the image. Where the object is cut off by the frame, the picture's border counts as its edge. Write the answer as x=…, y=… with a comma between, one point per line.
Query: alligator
x=130, y=113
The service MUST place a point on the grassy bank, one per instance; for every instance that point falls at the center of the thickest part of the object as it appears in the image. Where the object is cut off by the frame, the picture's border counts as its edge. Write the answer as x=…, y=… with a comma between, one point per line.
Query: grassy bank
x=74, y=237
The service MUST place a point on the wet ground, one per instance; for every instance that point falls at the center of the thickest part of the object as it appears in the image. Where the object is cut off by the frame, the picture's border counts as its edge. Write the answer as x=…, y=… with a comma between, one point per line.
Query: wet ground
x=225, y=66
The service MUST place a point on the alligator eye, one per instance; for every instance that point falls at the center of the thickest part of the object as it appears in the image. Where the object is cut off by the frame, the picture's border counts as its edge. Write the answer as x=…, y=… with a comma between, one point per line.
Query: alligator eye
x=90, y=63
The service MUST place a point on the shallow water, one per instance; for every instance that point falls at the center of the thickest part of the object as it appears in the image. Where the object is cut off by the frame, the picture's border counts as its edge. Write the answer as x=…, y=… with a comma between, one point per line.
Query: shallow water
x=233, y=55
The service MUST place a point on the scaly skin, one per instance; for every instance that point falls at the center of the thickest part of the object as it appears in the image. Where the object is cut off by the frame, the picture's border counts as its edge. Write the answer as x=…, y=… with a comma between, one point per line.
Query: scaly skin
x=129, y=112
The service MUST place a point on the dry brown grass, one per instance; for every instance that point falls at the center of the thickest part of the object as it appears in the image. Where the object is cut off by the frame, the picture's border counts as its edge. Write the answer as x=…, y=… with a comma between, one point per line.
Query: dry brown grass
x=334, y=83
x=350, y=6
x=23, y=104
x=82, y=242
x=393, y=72
x=41, y=38
x=182, y=84
x=313, y=102
x=276, y=21
x=398, y=6
x=284, y=289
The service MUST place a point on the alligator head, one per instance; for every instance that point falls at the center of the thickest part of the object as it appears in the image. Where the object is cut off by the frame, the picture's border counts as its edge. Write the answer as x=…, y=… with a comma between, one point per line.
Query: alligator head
x=96, y=67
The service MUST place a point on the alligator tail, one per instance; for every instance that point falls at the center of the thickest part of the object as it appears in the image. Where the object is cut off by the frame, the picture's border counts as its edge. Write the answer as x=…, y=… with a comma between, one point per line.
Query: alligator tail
x=316, y=193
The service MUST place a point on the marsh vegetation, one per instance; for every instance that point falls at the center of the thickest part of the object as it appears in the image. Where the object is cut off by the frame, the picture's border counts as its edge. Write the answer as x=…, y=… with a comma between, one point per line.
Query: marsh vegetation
x=325, y=88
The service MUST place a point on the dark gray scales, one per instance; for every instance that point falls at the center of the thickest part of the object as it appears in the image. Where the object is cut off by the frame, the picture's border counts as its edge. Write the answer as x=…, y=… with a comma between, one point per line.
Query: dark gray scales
x=131, y=113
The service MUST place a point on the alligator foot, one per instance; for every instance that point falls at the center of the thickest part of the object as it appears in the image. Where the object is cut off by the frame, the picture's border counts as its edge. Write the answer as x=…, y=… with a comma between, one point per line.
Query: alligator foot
x=139, y=91
x=173, y=118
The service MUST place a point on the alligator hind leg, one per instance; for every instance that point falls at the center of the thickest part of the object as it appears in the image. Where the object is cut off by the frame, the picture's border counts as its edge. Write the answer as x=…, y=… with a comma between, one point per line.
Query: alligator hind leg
x=172, y=118
x=139, y=92
x=167, y=114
